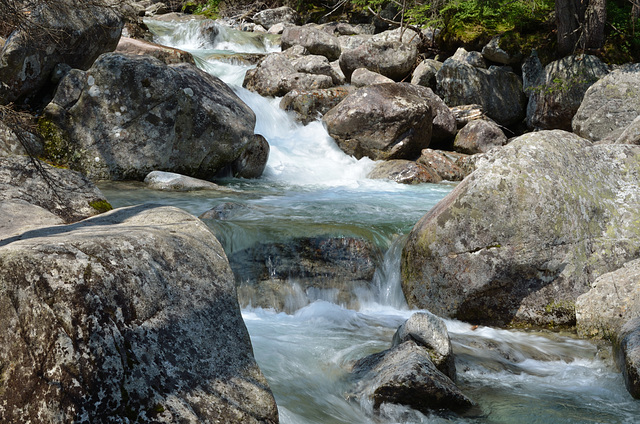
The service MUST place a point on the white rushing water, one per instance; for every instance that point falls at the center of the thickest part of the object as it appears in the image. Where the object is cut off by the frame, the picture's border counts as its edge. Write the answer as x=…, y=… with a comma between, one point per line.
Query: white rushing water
x=309, y=187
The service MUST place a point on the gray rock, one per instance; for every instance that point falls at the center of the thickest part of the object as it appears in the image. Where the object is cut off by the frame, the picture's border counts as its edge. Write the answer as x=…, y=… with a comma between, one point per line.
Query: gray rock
x=497, y=90
x=278, y=28
x=613, y=300
x=384, y=121
x=493, y=52
x=324, y=267
x=362, y=76
x=467, y=113
x=527, y=233
x=392, y=59
x=129, y=115
x=430, y=332
x=479, y=136
x=317, y=65
x=443, y=163
x=166, y=54
x=405, y=375
x=404, y=172
x=531, y=71
x=280, y=15
x=609, y=105
x=313, y=39
x=109, y=320
x=472, y=58
x=627, y=354
x=20, y=216
x=559, y=90
x=312, y=105
x=17, y=136
x=66, y=31
x=630, y=135
x=66, y=194
x=170, y=181
x=425, y=73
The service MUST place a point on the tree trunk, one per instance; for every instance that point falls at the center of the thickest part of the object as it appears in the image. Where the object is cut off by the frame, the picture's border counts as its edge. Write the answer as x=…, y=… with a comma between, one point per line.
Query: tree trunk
x=592, y=37
x=580, y=25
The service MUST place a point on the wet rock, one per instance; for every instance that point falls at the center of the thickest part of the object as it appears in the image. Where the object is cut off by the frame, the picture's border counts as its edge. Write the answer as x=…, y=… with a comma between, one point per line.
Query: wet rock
x=66, y=31
x=627, y=354
x=404, y=172
x=312, y=105
x=527, y=233
x=493, y=52
x=66, y=194
x=112, y=312
x=384, y=121
x=280, y=15
x=170, y=181
x=429, y=332
x=226, y=210
x=363, y=76
x=327, y=268
x=425, y=73
x=479, y=136
x=613, y=300
x=392, y=59
x=314, y=39
x=166, y=54
x=497, y=90
x=559, y=90
x=405, y=375
x=443, y=164
x=609, y=105
x=129, y=115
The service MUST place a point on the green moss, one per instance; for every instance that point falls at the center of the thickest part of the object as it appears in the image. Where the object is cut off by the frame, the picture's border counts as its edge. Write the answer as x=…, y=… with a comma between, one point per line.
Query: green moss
x=101, y=205
x=87, y=273
x=56, y=143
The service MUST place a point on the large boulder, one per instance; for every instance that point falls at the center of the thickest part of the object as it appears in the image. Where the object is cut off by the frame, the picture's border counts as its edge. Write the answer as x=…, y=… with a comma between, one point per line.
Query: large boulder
x=74, y=32
x=384, y=121
x=627, y=355
x=609, y=105
x=313, y=104
x=445, y=164
x=425, y=73
x=66, y=194
x=166, y=54
x=494, y=52
x=392, y=59
x=527, y=233
x=131, y=315
x=314, y=39
x=630, y=135
x=130, y=115
x=362, y=76
x=405, y=375
x=613, y=300
x=269, y=17
x=497, y=89
x=559, y=90
x=444, y=121
x=479, y=136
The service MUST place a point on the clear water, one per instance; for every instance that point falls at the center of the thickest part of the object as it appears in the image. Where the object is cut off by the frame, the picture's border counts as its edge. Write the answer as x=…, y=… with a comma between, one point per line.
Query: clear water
x=310, y=187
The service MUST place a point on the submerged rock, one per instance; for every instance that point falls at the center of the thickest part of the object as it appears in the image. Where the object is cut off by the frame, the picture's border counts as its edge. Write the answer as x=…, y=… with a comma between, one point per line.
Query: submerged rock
x=129, y=115
x=131, y=315
x=171, y=181
x=527, y=233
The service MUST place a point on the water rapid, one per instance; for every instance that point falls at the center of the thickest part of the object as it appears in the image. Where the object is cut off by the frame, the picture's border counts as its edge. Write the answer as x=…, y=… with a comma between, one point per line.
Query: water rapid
x=310, y=187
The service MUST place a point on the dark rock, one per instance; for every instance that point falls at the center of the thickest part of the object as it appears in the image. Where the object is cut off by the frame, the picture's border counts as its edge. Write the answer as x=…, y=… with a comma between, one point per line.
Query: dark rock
x=627, y=354
x=312, y=105
x=479, y=136
x=443, y=164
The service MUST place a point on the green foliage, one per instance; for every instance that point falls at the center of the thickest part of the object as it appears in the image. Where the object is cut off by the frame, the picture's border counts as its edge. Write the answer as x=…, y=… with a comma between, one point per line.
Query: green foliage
x=210, y=8
x=622, y=33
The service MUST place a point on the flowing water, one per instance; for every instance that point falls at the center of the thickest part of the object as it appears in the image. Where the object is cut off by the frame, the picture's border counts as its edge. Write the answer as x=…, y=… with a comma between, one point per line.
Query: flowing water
x=311, y=188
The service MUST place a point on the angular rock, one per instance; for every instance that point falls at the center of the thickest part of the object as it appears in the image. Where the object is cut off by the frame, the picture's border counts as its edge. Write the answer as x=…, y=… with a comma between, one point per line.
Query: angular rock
x=613, y=300
x=392, y=59
x=317, y=65
x=270, y=17
x=66, y=194
x=166, y=54
x=527, y=233
x=559, y=90
x=444, y=121
x=313, y=39
x=467, y=113
x=609, y=105
x=320, y=266
x=497, y=90
x=531, y=71
x=404, y=172
x=17, y=135
x=405, y=375
x=430, y=332
x=312, y=105
x=630, y=135
x=384, y=121
x=362, y=76
x=425, y=73
x=472, y=58
x=479, y=136
x=66, y=31
x=442, y=164
x=627, y=354
x=129, y=115
x=493, y=52
x=110, y=320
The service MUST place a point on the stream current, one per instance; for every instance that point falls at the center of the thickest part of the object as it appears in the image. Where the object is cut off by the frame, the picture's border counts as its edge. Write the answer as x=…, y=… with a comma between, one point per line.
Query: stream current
x=310, y=187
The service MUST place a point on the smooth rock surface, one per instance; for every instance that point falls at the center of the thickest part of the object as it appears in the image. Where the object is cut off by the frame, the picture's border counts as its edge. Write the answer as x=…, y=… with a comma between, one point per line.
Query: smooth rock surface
x=362, y=76
x=170, y=181
x=528, y=232
x=404, y=172
x=392, y=59
x=479, y=136
x=108, y=320
x=314, y=39
x=166, y=54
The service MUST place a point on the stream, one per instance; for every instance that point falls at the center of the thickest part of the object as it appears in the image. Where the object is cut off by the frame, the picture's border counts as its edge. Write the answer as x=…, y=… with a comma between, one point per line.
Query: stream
x=310, y=187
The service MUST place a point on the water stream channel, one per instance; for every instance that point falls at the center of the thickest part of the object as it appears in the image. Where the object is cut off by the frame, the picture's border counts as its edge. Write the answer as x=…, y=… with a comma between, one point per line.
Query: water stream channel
x=310, y=187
